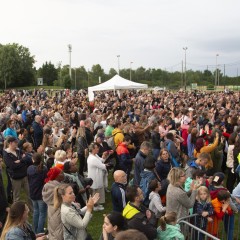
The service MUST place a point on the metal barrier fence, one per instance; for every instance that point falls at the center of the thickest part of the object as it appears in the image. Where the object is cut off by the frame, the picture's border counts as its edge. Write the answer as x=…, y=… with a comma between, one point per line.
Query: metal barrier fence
x=195, y=227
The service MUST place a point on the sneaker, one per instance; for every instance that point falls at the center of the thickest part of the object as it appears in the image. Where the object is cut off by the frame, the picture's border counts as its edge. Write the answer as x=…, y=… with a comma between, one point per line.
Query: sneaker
x=96, y=209
x=100, y=208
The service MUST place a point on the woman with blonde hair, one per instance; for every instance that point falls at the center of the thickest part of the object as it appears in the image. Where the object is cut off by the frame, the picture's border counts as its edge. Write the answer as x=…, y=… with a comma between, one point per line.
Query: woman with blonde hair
x=16, y=226
x=74, y=226
x=60, y=158
x=178, y=200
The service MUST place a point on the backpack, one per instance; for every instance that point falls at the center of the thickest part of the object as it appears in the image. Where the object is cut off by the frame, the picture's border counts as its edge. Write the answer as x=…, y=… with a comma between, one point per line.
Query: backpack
x=144, y=187
x=111, y=142
x=173, y=159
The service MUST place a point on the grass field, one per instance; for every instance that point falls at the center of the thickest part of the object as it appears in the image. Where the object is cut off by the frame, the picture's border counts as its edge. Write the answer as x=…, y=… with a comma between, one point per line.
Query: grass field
x=95, y=226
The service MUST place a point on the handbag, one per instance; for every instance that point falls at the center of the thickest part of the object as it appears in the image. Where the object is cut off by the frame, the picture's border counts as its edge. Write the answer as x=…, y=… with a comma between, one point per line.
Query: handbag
x=88, y=237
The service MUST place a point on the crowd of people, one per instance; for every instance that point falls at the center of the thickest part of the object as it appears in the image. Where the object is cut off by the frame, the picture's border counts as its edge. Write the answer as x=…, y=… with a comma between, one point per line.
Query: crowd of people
x=171, y=155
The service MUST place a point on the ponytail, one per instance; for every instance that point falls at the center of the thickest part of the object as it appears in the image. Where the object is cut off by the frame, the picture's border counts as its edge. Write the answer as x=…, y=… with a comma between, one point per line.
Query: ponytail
x=169, y=218
x=38, y=161
x=59, y=191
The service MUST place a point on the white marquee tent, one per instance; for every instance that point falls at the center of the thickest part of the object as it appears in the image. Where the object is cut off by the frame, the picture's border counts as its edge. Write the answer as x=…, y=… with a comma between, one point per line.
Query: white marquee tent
x=115, y=83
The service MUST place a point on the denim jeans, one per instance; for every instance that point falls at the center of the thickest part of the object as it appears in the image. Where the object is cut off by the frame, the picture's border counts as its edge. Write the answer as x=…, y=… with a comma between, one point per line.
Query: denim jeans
x=39, y=215
x=229, y=225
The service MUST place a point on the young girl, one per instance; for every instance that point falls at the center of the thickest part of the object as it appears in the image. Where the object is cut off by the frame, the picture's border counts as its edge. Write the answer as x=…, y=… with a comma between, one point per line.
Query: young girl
x=169, y=229
x=203, y=208
x=155, y=200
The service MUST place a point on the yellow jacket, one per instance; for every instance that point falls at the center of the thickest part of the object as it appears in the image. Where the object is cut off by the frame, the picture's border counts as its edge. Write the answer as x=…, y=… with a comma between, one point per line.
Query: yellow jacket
x=118, y=136
x=207, y=149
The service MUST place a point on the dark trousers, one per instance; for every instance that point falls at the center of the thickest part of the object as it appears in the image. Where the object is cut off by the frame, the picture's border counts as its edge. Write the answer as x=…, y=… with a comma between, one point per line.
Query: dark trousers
x=82, y=163
x=9, y=188
x=231, y=179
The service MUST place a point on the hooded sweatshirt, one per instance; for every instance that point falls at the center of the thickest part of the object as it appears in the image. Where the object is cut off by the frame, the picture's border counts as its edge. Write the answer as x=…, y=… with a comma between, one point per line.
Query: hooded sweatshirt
x=156, y=204
x=171, y=232
x=55, y=226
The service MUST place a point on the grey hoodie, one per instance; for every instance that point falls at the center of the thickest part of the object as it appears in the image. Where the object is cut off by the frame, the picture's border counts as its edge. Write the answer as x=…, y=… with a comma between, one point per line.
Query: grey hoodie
x=156, y=204
x=55, y=227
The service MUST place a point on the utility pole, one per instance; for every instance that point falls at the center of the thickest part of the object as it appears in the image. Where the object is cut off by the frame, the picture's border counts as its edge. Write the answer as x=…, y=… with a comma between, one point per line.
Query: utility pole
x=131, y=71
x=224, y=76
x=70, y=69
x=216, y=74
x=182, y=84
x=75, y=78
x=118, y=56
x=185, y=80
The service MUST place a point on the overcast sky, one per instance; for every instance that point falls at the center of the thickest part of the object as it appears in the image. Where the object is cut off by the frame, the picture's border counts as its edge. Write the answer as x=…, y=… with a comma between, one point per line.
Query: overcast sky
x=149, y=33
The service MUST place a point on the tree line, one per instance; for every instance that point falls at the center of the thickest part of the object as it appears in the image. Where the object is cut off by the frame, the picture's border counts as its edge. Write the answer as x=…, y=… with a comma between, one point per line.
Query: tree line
x=17, y=70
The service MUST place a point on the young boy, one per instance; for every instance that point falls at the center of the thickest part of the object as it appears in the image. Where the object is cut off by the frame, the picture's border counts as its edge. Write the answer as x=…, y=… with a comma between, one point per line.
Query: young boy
x=217, y=186
x=222, y=210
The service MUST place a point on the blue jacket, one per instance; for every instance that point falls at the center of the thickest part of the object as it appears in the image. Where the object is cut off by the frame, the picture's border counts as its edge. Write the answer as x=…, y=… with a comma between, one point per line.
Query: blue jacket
x=10, y=132
x=118, y=197
x=190, y=147
x=16, y=233
x=138, y=168
x=146, y=177
x=38, y=134
x=192, y=167
x=199, y=207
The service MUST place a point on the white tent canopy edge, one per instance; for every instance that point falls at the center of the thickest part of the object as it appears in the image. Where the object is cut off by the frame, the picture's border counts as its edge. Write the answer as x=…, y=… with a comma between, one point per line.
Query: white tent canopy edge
x=115, y=83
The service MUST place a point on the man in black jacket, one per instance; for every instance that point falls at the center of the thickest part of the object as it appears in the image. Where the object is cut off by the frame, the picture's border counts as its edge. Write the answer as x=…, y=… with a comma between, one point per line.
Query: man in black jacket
x=138, y=216
x=118, y=190
x=38, y=131
x=16, y=168
x=88, y=132
x=139, y=161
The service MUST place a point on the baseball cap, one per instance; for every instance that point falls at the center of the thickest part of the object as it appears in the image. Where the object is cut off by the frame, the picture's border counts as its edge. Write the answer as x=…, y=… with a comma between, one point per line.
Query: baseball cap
x=218, y=177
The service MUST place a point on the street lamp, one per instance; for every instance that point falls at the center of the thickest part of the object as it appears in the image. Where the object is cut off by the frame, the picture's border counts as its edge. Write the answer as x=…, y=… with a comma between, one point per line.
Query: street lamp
x=216, y=74
x=60, y=72
x=185, y=80
x=131, y=71
x=118, y=56
x=70, y=50
x=75, y=78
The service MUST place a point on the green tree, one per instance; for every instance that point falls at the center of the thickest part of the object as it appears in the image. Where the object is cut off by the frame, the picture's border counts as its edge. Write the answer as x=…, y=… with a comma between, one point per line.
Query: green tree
x=16, y=66
x=112, y=73
x=81, y=77
x=67, y=81
x=95, y=73
x=49, y=73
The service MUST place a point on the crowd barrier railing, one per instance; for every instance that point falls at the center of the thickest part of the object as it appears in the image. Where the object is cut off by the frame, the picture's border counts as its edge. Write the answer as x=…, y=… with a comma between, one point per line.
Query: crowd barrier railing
x=195, y=227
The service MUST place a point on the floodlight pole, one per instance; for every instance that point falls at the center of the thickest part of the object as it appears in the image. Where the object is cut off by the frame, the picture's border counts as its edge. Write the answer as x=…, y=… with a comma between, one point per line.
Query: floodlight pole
x=70, y=69
x=216, y=74
x=185, y=78
x=118, y=56
x=131, y=71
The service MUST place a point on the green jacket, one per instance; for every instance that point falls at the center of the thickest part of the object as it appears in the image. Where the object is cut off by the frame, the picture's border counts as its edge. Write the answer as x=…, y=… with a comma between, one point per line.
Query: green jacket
x=171, y=232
